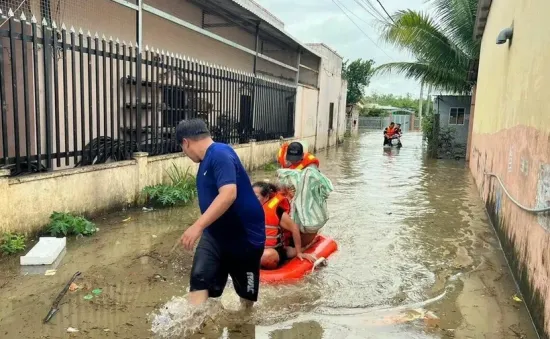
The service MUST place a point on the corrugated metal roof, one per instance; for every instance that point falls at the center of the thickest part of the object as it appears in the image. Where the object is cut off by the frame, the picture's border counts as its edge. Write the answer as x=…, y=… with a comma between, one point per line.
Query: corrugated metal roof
x=483, y=8
x=262, y=13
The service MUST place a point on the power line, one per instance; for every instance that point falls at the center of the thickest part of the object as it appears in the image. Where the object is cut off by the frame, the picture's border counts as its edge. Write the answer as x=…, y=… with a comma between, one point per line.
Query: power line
x=364, y=33
x=373, y=12
x=384, y=8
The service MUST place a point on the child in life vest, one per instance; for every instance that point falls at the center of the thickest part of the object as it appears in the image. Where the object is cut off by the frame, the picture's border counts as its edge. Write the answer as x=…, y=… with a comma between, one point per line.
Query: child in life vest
x=277, y=221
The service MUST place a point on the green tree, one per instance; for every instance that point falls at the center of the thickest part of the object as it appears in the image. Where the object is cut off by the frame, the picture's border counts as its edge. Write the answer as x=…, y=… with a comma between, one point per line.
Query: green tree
x=444, y=49
x=373, y=112
x=401, y=101
x=358, y=74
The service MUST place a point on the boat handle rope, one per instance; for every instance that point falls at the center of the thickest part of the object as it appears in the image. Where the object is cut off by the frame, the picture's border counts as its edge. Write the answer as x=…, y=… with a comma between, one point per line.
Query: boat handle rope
x=318, y=262
x=532, y=210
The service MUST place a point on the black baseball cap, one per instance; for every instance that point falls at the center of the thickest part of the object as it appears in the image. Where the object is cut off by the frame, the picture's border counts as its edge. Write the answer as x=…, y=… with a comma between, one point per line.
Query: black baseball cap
x=295, y=152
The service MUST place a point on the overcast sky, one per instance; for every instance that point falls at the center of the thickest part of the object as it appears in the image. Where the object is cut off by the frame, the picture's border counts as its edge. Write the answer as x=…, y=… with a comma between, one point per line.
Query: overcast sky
x=323, y=21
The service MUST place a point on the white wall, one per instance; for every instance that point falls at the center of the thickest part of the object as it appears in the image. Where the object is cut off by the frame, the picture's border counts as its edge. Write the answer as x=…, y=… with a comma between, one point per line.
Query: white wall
x=330, y=91
x=306, y=111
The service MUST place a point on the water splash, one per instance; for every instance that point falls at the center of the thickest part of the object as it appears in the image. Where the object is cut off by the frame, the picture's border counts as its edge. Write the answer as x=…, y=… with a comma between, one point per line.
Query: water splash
x=179, y=318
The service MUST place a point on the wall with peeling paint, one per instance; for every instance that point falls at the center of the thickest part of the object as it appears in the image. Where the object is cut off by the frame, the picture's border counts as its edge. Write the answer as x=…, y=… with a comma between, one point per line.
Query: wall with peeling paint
x=511, y=138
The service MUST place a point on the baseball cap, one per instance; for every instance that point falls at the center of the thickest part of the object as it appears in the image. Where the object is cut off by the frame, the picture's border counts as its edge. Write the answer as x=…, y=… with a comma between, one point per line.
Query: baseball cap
x=294, y=152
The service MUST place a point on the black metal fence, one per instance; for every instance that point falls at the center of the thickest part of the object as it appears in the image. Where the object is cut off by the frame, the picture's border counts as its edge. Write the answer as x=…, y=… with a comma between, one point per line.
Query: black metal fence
x=73, y=99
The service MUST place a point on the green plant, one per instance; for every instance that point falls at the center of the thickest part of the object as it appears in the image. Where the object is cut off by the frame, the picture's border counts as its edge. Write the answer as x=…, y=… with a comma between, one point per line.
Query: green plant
x=12, y=243
x=270, y=167
x=358, y=74
x=182, y=188
x=67, y=224
x=442, y=44
x=427, y=126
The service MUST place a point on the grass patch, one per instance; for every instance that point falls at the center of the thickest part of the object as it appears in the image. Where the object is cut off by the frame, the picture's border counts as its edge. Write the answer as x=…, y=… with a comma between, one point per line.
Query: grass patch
x=271, y=167
x=11, y=243
x=182, y=188
x=67, y=224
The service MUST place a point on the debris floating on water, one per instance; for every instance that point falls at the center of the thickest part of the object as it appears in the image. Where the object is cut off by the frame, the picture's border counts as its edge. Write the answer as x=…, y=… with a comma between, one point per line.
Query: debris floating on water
x=50, y=272
x=72, y=330
x=516, y=298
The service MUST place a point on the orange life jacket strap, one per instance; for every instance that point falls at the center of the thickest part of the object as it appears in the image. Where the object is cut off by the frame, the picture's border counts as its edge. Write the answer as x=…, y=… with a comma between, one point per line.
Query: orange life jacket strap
x=281, y=156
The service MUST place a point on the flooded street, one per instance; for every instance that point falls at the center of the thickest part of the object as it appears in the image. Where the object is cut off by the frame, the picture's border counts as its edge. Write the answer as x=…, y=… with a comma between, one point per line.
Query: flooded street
x=417, y=259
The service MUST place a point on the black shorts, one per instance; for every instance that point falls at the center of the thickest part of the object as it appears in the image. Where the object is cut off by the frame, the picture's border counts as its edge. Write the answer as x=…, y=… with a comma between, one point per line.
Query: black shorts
x=213, y=263
x=281, y=251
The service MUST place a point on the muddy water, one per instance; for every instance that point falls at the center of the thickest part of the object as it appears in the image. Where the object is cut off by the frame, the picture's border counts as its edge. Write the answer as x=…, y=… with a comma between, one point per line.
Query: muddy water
x=417, y=259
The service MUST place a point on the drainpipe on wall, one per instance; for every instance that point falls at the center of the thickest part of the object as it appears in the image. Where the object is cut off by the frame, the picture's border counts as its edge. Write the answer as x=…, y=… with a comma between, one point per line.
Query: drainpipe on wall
x=471, y=124
x=256, y=46
x=296, y=95
x=318, y=95
x=139, y=25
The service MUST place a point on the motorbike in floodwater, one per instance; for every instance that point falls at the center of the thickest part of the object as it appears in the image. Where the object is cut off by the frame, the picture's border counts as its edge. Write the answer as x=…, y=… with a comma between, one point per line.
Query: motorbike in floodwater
x=394, y=141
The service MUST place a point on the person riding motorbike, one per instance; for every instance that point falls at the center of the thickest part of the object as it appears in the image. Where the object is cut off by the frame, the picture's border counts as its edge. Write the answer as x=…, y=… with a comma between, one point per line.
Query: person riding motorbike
x=398, y=134
x=389, y=132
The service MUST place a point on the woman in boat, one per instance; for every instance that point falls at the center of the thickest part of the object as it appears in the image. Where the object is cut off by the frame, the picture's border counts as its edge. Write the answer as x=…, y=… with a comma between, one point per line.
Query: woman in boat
x=277, y=221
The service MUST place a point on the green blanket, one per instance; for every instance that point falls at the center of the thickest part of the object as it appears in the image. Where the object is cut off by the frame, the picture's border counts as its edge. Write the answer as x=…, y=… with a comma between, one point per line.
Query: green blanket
x=309, y=206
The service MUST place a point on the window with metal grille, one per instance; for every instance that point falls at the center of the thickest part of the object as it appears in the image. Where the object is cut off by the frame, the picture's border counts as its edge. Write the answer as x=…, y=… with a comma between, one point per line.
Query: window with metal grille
x=456, y=116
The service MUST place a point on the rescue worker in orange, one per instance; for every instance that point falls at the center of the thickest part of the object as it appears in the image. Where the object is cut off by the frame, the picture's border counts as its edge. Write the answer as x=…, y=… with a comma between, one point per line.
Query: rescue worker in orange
x=277, y=221
x=389, y=132
x=292, y=156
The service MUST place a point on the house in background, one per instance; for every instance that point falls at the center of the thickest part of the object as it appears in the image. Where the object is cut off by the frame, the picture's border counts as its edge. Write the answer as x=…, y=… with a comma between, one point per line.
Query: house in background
x=122, y=74
x=454, y=112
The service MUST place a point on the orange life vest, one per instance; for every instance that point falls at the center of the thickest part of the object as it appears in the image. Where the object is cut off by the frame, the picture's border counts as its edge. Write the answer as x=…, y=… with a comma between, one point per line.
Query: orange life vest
x=390, y=132
x=273, y=231
x=308, y=159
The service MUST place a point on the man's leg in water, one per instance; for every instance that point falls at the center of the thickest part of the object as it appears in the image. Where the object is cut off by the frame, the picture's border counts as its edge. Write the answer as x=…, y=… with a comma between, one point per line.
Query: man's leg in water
x=244, y=269
x=208, y=275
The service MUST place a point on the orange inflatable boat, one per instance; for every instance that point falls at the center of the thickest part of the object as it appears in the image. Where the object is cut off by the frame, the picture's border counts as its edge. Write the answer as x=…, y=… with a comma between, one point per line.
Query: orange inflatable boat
x=295, y=269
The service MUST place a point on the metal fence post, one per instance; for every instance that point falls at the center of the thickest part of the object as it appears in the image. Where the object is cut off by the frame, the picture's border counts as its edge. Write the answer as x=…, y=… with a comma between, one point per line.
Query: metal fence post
x=139, y=43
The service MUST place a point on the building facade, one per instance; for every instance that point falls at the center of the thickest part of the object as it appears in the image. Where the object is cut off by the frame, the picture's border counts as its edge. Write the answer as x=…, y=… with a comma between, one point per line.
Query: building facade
x=454, y=113
x=510, y=140
x=86, y=82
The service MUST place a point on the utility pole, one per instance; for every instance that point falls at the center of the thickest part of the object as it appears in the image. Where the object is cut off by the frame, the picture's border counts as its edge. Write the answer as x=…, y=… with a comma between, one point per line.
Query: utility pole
x=420, y=103
x=428, y=101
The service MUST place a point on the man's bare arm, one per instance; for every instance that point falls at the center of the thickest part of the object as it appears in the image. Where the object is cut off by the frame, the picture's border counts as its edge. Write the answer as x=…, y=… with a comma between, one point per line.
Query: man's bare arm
x=226, y=196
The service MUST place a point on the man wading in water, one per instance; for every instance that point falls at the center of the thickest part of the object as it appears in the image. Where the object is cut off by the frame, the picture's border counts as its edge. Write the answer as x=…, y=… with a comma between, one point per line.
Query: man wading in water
x=231, y=228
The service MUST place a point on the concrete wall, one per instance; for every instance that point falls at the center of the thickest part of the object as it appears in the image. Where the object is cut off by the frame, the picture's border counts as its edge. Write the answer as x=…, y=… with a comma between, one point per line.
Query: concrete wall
x=352, y=121
x=330, y=94
x=306, y=111
x=342, y=115
x=26, y=203
x=443, y=105
x=511, y=138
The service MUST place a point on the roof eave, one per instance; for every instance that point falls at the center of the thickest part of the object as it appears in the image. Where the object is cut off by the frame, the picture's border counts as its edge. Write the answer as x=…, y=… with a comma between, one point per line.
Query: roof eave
x=483, y=9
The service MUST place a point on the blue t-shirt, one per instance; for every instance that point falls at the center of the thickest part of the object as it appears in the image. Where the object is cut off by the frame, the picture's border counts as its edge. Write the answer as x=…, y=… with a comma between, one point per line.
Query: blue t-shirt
x=244, y=221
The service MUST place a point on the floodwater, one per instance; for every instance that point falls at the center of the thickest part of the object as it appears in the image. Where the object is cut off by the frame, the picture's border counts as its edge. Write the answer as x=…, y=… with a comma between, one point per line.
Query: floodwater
x=417, y=259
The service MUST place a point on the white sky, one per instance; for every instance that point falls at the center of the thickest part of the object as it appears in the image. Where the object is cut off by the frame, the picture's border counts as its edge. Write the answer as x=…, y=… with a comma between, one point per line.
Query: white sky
x=323, y=21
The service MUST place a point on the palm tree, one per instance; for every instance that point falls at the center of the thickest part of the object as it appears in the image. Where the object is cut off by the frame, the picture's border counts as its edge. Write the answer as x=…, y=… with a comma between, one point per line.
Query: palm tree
x=442, y=44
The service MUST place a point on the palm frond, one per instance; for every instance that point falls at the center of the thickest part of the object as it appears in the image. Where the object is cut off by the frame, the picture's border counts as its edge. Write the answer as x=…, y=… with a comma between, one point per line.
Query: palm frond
x=424, y=39
x=440, y=77
x=457, y=17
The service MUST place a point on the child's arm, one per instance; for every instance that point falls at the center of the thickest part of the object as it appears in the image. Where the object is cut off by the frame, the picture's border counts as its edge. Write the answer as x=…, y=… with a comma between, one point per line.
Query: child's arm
x=288, y=224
